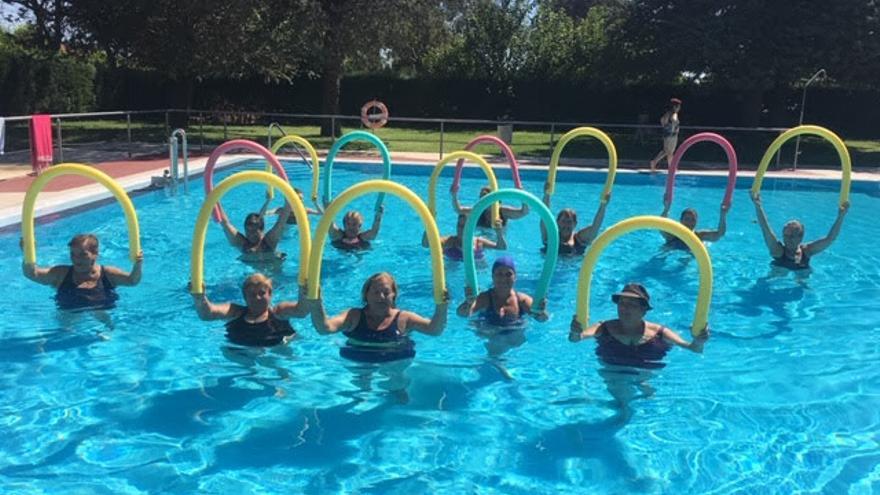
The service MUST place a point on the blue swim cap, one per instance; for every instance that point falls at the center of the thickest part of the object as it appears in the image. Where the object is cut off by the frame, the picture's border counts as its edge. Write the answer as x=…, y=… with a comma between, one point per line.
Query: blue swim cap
x=504, y=261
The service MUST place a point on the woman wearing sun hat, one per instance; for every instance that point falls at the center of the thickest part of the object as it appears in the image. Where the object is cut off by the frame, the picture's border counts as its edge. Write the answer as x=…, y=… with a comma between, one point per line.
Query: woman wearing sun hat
x=629, y=340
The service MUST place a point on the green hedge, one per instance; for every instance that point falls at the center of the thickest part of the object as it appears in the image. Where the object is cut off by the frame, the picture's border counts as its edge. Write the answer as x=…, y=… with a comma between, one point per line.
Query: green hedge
x=34, y=82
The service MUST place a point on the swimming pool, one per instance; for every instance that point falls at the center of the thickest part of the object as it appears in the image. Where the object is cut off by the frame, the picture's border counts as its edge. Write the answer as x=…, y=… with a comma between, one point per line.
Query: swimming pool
x=784, y=399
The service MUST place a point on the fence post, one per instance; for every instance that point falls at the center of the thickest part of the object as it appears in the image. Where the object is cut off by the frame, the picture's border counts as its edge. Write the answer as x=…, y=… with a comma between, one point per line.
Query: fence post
x=167, y=124
x=552, y=135
x=225, y=133
x=201, y=133
x=332, y=130
x=128, y=128
x=60, y=143
x=442, y=128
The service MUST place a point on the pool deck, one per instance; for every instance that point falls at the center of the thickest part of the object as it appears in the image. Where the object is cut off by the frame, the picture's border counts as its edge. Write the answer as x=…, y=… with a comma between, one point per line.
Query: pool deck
x=69, y=192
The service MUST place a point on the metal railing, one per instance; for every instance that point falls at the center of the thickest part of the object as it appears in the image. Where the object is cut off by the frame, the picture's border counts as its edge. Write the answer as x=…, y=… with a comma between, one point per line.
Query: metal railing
x=173, y=159
x=296, y=147
x=445, y=127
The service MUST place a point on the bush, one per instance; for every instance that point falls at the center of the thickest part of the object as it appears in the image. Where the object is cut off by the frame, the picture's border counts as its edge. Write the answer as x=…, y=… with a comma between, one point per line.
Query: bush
x=34, y=81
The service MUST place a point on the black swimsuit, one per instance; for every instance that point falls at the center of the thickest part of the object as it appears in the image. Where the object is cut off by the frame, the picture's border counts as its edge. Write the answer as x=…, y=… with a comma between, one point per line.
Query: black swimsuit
x=261, y=247
x=790, y=263
x=267, y=333
x=390, y=344
x=491, y=316
x=360, y=245
x=101, y=296
x=645, y=355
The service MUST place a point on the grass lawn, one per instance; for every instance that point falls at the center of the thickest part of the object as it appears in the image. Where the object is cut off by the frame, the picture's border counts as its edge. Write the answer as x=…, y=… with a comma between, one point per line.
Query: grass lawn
x=535, y=142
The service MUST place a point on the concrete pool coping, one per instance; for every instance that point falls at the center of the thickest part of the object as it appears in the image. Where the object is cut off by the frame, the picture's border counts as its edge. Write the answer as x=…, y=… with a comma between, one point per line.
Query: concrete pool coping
x=55, y=202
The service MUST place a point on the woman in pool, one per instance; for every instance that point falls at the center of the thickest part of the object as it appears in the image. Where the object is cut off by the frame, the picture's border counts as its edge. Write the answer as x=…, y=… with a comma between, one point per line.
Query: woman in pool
x=504, y=212
x=254, y=244
x=291, y=218
x=573, y=242
x=689, y=219
x=85, y=283
x=452, y=247
x=629, y=340
x=256, y=323
x=669, y=122
x=350, y=237
x=501, y=304
x=792, y=253
x=378, y=331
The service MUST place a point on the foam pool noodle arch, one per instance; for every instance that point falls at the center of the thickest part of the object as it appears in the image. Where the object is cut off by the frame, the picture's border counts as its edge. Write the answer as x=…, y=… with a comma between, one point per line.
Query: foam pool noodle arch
x=29, y=205
x=648, y=222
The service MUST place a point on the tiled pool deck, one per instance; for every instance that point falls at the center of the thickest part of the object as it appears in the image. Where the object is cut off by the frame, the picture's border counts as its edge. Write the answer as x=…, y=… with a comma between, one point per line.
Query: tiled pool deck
x=68, y=192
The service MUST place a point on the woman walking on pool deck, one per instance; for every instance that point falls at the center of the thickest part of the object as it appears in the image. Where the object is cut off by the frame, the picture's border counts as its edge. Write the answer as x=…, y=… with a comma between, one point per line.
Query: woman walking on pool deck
x=378, y=331
x=85, y=283
x=629, y=340
x=254, y=244
x=670, y=123
x=257, y=323
x=501, y=304
x=792, y=253
x=689, y=219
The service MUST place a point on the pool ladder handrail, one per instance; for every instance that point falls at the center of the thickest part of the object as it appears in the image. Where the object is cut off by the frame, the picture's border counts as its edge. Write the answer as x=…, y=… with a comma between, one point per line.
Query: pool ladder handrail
x=173, y=157
x=298, y=149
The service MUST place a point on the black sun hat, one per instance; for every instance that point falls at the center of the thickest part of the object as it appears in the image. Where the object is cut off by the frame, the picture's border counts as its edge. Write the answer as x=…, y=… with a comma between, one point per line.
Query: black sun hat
x=633, y=290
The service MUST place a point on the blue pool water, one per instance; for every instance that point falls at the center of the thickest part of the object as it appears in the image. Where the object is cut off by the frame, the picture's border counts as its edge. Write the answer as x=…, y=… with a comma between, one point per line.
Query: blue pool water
x=785, y=398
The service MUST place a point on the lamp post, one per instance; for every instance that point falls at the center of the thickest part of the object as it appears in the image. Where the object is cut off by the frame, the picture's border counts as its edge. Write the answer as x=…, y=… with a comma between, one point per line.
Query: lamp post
x=797, y=144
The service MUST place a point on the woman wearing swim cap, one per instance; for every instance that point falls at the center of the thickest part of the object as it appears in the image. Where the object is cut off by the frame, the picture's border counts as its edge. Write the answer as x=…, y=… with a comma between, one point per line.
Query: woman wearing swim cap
x=501, y=304
x=629, y=340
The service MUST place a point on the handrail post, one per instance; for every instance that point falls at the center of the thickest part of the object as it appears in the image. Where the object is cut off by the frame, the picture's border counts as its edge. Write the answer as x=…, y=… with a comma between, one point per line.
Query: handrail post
x=201, y=132
x=172, y=161
x=60, y=142
x=128, y=129
x=797, y=144
x=442, y=128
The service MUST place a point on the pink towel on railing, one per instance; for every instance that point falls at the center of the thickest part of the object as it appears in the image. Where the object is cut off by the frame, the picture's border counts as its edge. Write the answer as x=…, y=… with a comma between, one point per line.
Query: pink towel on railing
x=41, y=142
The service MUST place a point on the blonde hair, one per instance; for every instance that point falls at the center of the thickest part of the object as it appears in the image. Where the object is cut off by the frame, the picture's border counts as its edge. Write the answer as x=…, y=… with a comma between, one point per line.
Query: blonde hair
x=353, y=214
x=374, y=278
x=256, y=280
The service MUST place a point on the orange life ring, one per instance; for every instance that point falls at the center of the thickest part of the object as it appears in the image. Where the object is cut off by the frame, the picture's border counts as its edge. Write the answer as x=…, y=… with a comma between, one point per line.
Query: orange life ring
x=375, y=120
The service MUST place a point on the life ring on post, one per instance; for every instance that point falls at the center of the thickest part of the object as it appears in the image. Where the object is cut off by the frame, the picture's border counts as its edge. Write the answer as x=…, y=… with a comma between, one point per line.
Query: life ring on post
x=374, y=120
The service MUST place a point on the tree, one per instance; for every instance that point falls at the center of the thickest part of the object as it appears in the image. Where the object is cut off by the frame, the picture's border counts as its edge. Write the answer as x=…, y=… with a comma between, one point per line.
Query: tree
x=49, y=18
x=360, y=32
